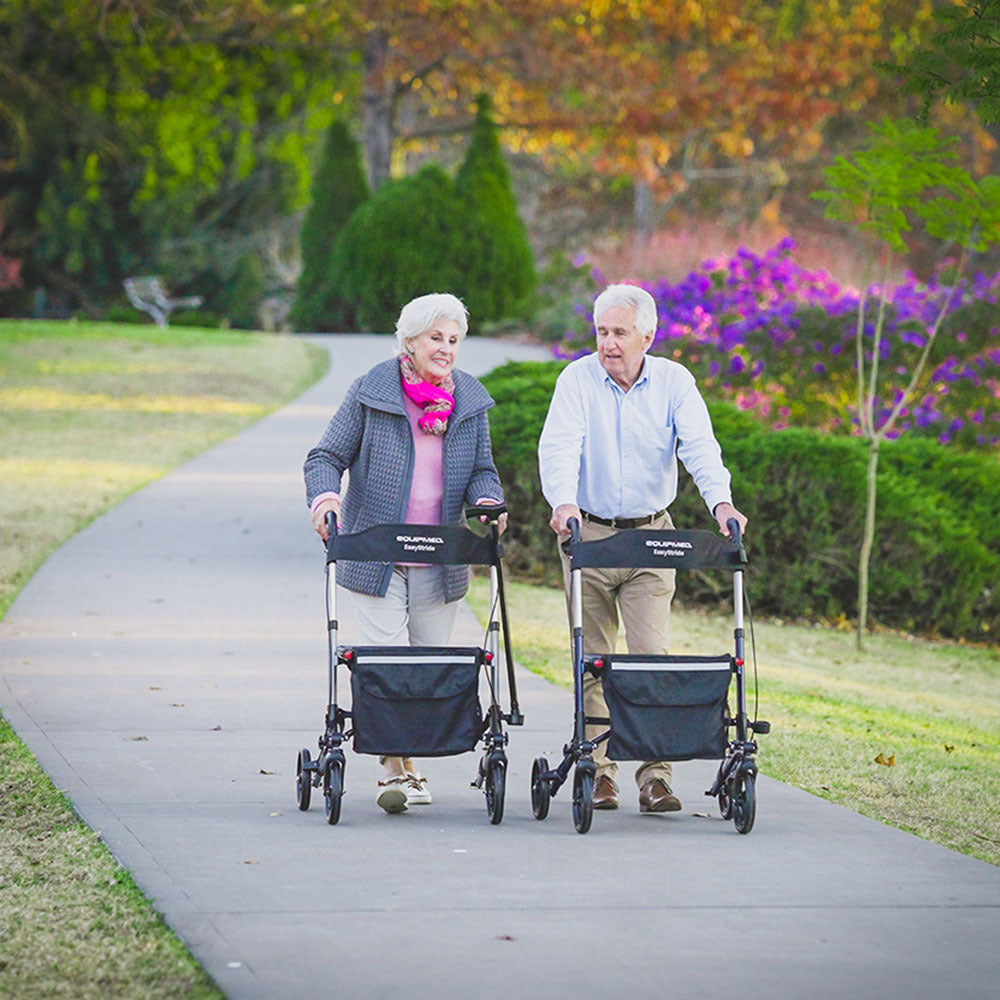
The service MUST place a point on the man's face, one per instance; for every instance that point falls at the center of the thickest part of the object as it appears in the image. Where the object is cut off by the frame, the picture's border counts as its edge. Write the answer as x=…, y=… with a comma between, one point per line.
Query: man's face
x=620, y=346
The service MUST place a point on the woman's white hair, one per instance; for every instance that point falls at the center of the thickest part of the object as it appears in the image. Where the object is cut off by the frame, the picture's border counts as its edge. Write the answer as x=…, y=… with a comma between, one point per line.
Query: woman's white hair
x=425, y=311
x=628, y=295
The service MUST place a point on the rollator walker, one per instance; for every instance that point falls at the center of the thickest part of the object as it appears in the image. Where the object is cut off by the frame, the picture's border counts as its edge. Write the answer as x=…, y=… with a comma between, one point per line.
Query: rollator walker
x=660, y=707
x=419, y=701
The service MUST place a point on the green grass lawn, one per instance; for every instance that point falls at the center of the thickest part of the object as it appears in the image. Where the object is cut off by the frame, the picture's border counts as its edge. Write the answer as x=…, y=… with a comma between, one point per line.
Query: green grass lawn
x=89, y=413
x=931, y=708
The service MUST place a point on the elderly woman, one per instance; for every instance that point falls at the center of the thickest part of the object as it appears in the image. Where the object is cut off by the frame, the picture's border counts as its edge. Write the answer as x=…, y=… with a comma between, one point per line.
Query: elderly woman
x=414, y=436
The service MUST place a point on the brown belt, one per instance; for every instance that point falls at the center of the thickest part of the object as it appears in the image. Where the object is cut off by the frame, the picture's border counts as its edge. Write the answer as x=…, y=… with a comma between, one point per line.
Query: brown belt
x=623, y=522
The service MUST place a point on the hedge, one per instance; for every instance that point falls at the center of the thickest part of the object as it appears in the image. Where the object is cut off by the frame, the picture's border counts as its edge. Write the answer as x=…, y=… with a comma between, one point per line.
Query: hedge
x=936, y=563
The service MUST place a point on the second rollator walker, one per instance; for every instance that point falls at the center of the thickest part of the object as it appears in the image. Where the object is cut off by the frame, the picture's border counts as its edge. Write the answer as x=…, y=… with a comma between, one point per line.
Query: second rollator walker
x=660, y=707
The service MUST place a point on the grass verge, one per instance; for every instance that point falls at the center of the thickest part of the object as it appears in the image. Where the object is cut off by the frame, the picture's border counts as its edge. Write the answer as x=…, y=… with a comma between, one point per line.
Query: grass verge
x=930, y=710
x=88, y=414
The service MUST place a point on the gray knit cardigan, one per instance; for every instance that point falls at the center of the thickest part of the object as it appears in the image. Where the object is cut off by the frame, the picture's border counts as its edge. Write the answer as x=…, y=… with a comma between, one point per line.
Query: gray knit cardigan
x=370, y=435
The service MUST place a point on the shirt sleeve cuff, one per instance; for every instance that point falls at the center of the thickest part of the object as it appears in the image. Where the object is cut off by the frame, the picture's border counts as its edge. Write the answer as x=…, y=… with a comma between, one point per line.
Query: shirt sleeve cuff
x=320, y=498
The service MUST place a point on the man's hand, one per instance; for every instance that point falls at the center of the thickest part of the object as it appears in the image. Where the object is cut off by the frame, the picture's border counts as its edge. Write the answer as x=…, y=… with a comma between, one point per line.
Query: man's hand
x=501, y=520
x=724, y=512
x=561, y=515
x=319, y=515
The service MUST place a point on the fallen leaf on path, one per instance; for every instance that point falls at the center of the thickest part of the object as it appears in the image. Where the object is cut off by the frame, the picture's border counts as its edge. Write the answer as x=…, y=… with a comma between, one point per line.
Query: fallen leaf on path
x=262, y=771
x=889, y=761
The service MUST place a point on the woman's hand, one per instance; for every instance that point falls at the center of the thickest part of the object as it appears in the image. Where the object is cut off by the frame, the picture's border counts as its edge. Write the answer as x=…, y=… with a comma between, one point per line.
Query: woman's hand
x=490, y=502
x=324, y=507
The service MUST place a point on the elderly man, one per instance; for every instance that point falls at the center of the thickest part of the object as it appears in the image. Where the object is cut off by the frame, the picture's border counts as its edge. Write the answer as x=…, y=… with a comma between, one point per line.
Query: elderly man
x=608, y=452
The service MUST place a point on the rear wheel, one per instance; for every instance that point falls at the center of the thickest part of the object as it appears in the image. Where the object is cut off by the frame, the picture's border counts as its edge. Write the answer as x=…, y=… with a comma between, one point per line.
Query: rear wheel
x=303, y=779
x=333, y=789
x=540, y=793
x=496, y=780
x=744, y=802
x=583, y=799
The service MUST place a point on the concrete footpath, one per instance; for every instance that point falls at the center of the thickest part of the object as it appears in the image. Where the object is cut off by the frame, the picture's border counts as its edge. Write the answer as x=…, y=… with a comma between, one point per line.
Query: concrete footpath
x=168, y=662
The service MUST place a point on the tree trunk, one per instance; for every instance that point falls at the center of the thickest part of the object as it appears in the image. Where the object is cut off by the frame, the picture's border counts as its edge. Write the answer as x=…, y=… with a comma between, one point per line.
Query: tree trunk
x=379, y=109
x=642, y=211
x=867, y=541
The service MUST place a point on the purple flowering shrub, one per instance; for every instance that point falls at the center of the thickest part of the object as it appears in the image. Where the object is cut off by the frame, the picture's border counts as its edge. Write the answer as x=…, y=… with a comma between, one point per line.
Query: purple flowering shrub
x=779, y=341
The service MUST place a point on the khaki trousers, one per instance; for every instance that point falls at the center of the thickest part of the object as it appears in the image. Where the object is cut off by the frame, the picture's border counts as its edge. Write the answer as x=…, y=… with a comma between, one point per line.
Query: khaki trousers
x=641, y=597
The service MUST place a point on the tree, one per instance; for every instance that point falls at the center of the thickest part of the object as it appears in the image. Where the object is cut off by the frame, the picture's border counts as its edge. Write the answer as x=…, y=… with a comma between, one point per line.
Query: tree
x=339, y=187
x=502, y=264
x=408, y=239
x=960, y=62
x=128, y=140
x=907, y=175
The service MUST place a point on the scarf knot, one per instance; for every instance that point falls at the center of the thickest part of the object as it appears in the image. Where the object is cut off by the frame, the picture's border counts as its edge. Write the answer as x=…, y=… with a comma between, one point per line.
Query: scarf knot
x=437, y=401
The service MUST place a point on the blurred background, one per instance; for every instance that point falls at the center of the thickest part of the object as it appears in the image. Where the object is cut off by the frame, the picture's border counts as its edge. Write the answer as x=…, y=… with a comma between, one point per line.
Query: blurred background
x=224, y=145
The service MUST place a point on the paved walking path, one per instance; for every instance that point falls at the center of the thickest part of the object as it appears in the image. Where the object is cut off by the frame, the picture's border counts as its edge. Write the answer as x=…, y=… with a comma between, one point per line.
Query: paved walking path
x=167, y=663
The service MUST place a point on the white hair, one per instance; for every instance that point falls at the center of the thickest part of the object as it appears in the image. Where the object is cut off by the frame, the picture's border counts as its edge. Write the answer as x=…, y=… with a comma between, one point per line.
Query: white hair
x=633, y=296
x=422, y=313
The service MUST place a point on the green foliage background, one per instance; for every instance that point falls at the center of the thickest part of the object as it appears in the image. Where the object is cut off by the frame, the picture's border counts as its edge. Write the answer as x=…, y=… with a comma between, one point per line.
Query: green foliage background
x=937, y=558
x=338, y=188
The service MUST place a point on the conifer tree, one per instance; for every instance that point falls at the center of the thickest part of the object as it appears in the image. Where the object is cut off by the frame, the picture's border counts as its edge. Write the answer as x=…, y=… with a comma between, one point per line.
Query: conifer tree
x=339, y=187
x=413, y=236
x=502, y=264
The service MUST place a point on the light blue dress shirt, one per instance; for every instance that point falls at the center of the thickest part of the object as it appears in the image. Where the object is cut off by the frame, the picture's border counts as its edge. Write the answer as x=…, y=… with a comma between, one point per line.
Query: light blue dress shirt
x=614, y=453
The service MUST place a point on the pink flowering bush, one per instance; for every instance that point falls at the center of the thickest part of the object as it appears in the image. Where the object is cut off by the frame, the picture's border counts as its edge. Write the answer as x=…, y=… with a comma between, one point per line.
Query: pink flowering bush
x=778, y=340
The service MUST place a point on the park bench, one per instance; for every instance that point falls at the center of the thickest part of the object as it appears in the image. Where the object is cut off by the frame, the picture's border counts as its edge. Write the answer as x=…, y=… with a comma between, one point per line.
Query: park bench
x=149, y=294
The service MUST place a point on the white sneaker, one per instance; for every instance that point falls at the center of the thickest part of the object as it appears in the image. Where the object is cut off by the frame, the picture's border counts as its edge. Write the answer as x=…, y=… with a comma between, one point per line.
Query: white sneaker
x=418, y=792
x=392, y=795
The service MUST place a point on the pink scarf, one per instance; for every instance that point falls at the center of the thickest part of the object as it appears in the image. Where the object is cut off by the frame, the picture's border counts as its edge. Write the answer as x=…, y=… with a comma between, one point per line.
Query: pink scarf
x=437, y=401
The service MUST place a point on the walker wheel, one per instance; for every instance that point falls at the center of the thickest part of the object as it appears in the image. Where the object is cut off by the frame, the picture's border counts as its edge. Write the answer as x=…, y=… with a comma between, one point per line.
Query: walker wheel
x=583, y=799
x=744, y=802
x=541, y=794
x=303, y=779
x=496, y=780
x=333, y=789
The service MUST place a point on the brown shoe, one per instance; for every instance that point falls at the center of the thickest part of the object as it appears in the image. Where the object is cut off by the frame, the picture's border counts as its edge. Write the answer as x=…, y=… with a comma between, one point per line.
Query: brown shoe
x=656, y=796
x=605, y=793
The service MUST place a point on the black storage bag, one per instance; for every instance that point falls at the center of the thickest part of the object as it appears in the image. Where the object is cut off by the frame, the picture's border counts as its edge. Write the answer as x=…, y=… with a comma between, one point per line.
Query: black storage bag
x=667, y=714
x=415, y=702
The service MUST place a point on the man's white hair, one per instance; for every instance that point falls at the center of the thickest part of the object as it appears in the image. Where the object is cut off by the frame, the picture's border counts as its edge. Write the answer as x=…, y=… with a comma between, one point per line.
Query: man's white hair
x=643, y=304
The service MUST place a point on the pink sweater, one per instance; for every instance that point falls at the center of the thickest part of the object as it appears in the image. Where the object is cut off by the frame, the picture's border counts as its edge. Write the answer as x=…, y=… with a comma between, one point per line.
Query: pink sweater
x=427, y=487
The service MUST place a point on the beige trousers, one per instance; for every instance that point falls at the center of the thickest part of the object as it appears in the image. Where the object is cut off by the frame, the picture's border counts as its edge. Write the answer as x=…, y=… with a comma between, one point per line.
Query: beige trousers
x=641, y=597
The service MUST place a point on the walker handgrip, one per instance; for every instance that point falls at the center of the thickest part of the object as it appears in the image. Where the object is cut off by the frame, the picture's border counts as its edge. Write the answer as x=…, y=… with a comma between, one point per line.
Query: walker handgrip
x=574, y=528
x=734, y=529
x=491, y=511
x=331, y=522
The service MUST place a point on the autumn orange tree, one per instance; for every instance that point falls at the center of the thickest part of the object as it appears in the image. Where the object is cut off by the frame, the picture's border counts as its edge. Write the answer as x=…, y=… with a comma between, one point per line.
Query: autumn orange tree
x=668, y=94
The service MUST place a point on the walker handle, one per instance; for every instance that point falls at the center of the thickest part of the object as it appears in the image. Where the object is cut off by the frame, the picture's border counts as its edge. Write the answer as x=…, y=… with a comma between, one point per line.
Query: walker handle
x=331, y=523
x=574, y=529
x=734, y=529
x=491, y=511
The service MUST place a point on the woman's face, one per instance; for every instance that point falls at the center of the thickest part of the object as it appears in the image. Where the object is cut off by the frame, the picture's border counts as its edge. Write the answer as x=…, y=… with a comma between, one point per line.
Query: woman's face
x=434, y=352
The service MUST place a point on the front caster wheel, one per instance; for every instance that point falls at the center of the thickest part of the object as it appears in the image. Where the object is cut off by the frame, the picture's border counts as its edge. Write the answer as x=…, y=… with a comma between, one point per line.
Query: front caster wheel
x=496, y=780
x=333, y=789
x=541, y=795
x=583, y=799
x=744, y=802
x=303, y=779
